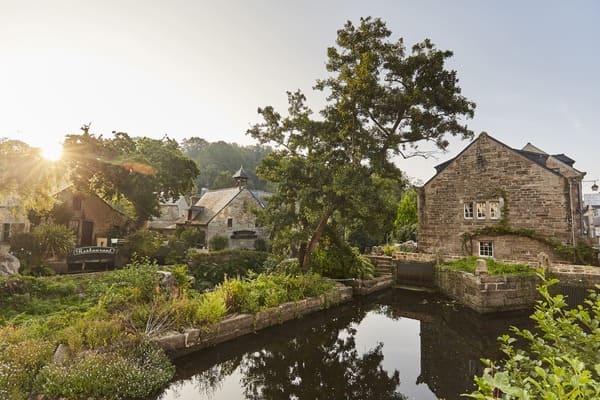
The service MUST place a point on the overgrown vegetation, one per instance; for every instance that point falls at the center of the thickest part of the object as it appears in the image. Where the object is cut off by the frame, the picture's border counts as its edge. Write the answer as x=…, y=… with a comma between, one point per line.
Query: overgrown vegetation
x=44, y=242
x=495, y=267
x=210, y=269
x=559, y=360
x=107, y=321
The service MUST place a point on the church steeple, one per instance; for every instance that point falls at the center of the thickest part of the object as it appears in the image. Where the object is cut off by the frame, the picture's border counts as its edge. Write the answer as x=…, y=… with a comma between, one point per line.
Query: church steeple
x=241, y=178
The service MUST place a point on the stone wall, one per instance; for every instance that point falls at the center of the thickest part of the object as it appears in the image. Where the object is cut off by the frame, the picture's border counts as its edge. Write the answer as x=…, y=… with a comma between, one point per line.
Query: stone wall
x=575, y=275
x=485, y=293
x=177, y=344
x=529, y=196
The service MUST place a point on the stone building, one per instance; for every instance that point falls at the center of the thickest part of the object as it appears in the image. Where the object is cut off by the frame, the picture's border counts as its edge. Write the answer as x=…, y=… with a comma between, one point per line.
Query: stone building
x=171, y=212
x=93, y=220
x=496, y=201
x=229, y=213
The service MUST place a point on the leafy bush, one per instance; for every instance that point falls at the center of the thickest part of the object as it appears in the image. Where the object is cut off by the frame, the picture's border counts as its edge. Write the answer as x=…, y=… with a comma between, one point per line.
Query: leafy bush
x=270, y=290
x=26, y=248
x=559, y=360
x=210, y=269
x=143, y=244
x=494, y=267
x=125, y=375
x=260, y=244
x=341, y=262
x=192, y=237
x=218, y=243
x=54, y=240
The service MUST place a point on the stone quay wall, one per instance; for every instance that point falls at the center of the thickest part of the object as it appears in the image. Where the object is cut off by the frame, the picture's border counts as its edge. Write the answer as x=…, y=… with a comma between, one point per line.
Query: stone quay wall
x=488, y=294
x=177, y=344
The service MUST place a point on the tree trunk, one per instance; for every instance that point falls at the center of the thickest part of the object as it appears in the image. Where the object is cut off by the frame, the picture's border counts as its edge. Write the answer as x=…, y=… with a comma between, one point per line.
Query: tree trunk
x=315, y=239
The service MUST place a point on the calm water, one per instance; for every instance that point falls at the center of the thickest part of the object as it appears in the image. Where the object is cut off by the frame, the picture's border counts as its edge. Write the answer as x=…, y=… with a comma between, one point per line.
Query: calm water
x=396, y=345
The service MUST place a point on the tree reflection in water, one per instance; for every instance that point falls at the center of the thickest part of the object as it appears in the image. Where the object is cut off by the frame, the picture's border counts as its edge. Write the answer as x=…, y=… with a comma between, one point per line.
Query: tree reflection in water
x=312, y=359
x=319, y=366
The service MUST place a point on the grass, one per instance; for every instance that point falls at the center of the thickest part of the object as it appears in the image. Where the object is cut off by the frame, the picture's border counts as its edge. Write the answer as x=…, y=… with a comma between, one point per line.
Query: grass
x=104, y=317
x=494, y=267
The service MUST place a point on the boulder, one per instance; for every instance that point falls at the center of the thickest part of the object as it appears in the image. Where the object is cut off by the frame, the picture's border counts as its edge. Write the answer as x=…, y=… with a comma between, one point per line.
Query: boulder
x=9, y=264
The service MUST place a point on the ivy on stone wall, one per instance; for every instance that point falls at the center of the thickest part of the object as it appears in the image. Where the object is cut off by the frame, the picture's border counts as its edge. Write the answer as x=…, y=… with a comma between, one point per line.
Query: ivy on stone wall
x=581, y=253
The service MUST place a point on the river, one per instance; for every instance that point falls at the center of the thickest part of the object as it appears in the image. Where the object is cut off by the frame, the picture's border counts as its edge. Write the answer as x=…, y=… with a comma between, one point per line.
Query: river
x=399, y=344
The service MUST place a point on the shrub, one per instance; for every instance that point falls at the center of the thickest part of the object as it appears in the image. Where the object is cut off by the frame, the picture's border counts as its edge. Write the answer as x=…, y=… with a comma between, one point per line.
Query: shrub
x=217, y=243
x=19, y=364
x=123, y=375
x=26, y=248
x=54, y=240
x=143, y=244
x=341, y=262
x=260, y=244
x=559, y=360
x=210, y=269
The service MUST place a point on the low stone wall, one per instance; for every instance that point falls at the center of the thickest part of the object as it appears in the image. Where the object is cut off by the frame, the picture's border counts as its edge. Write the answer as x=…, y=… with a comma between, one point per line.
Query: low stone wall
x=177, y=344
x=365, y=287
x=485, y=293
x=575, y=275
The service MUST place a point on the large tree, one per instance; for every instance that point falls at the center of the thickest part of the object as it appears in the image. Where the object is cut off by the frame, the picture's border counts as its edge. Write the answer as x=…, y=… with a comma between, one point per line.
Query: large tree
x=381, y=101
x=143, y=171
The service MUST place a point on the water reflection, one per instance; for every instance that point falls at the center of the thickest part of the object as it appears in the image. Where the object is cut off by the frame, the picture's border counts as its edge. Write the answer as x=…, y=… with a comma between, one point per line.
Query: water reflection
x=396, y=345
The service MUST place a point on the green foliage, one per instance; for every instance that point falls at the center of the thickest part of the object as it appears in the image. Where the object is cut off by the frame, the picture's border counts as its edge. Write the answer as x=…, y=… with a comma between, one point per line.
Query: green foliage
x=192, y=237
x=270, y=290
x=44, y=242
x=210, y=269
x=559, y=360
x=341, y=261
x=405, y=224
x=469, y=264
x=54, y=240
x=218, y=243
x=26, y=175
x=260, y=244
x=19, y=364
x=581, y=253
x=116, y=375
x=106, y=319
x=381, y=102
x=143, y=243
x=141, y=170
x=218, y=161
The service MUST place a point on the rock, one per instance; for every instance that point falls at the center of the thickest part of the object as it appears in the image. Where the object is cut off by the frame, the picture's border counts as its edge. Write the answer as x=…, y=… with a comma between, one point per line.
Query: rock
x=62, y=354
x=9, y=264
x=481, y=268
x=167, y=279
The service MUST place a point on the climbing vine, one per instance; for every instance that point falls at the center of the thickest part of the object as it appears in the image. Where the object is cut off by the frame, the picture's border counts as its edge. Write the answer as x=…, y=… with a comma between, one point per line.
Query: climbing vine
x=581, y=253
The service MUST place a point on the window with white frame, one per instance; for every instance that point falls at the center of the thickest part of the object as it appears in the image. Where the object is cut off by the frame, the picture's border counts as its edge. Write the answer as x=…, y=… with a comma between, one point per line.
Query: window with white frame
x=468, y=207
x=494, y=209
x=481, y=210
x=486, y=249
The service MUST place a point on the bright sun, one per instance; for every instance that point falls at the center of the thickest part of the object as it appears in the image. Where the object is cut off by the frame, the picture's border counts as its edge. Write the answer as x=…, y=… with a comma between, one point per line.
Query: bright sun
x=52, y=151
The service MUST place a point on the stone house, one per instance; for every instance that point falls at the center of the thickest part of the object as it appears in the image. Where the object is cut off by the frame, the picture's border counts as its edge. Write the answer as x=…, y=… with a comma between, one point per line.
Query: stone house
x=495, y=201
x=170, y=213
x=92, y=219
x=229, y=213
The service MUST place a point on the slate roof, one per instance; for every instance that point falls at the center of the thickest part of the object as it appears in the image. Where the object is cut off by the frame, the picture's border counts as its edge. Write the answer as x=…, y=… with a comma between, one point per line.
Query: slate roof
x=530, y=152
x=213, y=201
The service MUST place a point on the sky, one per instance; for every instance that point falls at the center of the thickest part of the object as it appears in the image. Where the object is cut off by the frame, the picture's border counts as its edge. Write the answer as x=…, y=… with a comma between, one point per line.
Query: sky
x=202, y=68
